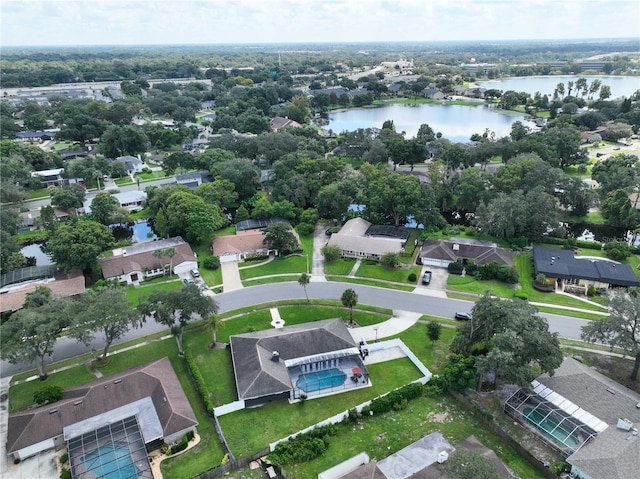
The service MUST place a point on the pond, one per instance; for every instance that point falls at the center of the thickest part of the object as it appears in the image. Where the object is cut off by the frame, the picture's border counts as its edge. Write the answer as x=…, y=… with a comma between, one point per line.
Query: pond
x=620, y=86
x=35, y=250
x=456, y=122
x=139, y=231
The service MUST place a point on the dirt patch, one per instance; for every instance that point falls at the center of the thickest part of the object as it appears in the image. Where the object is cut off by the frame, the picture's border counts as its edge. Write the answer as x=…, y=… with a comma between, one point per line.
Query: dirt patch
x=438, y=417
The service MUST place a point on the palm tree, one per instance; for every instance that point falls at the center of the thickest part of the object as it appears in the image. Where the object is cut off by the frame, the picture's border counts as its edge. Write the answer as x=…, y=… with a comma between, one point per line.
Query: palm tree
x=169, y=253
x=349, y=299
x=303, y=281
x=214, y=323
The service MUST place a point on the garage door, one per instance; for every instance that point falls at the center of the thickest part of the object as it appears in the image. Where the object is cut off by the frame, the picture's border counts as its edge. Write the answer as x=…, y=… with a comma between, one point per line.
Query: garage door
x=228, y=258
x=441, y=263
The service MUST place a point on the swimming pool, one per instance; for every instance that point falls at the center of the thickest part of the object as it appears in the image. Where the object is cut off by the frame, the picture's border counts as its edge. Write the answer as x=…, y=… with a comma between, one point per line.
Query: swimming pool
x=320, y=380
x=111, y=461
x=549, y=427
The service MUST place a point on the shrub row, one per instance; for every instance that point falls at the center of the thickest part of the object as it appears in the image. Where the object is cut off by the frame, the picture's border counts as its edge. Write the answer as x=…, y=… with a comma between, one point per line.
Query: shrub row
x=573, y=243
x=303, y=447
x=395, y=400
x=201, y=385
x=182, y=445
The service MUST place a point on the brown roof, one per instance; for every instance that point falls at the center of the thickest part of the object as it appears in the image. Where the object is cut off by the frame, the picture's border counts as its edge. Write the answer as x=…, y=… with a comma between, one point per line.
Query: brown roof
x=281, y=122
x=156, y=380
x=241, y=242
x=13, y=299
x=133, y=261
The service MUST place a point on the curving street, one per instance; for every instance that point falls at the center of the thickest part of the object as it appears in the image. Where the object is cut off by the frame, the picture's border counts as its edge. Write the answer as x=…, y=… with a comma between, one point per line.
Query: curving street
x=565, y=326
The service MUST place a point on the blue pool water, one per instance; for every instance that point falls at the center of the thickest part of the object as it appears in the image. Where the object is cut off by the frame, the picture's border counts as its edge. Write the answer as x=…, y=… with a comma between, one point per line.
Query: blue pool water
x=111, y=461
x=549, y=426
x=321, y=380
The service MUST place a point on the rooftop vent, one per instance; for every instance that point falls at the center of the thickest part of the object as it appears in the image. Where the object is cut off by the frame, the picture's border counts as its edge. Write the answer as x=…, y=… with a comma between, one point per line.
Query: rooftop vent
x=275, y=356
x=77, y=403
x=53, y=411
x=124, y=252
x=456, y=247
x=624, y=424
x=117, y=381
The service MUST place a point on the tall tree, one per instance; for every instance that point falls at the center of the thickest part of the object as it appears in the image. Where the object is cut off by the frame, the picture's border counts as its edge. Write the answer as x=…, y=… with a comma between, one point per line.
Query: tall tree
x=103, y=207
x=67, y=198
x=214, y=323
x=104, y=310
x=176, y=308
x=349, y=300
x=78, y=243
x=168, y=253
x=279, y=237
x=303, y=281
x=621, y=329
x=30, y=334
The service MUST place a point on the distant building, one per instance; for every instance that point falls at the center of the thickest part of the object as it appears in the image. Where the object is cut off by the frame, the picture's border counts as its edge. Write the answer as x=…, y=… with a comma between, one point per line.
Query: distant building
x=279, y=122
x=50, y=177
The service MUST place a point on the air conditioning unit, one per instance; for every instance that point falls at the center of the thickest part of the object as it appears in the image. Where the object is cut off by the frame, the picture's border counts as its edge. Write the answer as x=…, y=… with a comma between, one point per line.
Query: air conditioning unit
x=442, y=457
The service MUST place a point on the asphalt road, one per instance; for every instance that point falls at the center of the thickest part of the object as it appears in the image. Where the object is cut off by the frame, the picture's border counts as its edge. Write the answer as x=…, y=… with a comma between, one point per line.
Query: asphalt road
x=565, y=326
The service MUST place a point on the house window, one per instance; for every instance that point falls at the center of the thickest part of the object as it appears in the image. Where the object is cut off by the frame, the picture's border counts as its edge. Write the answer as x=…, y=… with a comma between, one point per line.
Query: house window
x=573, y=282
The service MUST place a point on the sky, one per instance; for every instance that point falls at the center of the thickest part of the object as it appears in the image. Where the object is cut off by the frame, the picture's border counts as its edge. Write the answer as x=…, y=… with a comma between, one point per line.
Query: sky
x=170, y=22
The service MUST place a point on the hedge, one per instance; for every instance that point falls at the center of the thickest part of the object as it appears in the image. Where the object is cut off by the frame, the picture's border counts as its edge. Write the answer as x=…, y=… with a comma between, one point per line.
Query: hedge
x=303, y=447
x=396, y=399
x=201, y=386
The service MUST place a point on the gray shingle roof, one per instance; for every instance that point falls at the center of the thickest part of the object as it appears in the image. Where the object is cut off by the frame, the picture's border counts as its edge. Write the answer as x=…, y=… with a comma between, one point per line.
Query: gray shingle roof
x=257, y=375
x=451, y=250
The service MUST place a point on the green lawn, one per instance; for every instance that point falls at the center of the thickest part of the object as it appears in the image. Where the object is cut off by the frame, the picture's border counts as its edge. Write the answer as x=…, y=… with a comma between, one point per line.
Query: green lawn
x=397, y=275
x=36, y=194
x=341, y=266
x=290, y=264
x=250, y=430
x=471, y=284
x=21, y=395
x=135, y=295
x=371, y=282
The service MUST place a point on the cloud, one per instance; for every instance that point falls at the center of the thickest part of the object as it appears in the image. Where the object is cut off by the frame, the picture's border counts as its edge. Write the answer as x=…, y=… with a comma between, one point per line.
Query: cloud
x=64, y=22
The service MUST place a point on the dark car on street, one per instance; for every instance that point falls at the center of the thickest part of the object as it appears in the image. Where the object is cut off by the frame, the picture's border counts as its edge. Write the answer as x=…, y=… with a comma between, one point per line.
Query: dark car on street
x=462, y=316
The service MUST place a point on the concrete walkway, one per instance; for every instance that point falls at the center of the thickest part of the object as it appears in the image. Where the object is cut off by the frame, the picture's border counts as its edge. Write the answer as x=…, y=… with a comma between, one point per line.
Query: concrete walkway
x=399, y=322
x=4, y=420
x=230, y=276
x=353, y=271
x=317, y=263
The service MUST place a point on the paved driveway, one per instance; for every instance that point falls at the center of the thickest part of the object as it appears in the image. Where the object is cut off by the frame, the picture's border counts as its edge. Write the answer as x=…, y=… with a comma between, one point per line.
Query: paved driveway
x=230, y=276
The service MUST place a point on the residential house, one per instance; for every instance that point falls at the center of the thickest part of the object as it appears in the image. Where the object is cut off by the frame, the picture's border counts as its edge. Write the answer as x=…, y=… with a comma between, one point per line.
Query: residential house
x=60, y=284
x=575, y=274
x=136, y=263
x=400, y=67
x=279, y=122
x=432, y=94
x=148, y=398
x=130, y=200
x=595, y=419
x=51, y=177
x=247, y=242
x=283, y=363
x=29, y=219
x=360, y=239
x=31, y=135
x=442, y=252
x=133, y=164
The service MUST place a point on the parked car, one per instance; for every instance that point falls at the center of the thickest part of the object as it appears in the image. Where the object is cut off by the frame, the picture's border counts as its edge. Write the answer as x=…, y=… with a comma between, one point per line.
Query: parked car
x=187, y=281
x=426, y=277
x=462, y=316
x=195, y=273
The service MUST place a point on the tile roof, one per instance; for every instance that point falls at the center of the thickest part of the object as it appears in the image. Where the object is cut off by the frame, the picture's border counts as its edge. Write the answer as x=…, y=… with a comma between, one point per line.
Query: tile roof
x=257, y=375
x=140, y=256
x=156, y=380
x=558, y=263
x=242, y=242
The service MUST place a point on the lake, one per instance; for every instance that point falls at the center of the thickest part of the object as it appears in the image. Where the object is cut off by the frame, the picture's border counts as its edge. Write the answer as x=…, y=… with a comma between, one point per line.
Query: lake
x=620, y=86
x=35, y=250
x=456, y=123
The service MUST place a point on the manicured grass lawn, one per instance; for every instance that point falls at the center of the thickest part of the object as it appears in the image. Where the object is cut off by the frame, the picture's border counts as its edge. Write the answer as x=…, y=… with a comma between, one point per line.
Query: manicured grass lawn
x=397, y=275
x=299, y=315
x=136, y=294
x=32, y=236
x=370, y=282
x=21, y=395
x=272, y=279
x=381, y=435
x=35, y=194
x=154, y=175
x=290, y=264
x=471, y=284
x=341, y=266
x=250, y=430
